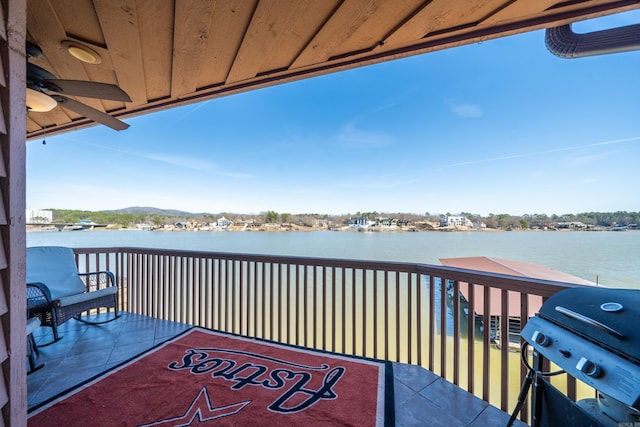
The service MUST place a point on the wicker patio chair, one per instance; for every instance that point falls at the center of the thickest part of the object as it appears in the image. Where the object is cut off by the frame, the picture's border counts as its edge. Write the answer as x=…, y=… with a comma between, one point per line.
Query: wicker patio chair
x=32, y=348
x=57, y=292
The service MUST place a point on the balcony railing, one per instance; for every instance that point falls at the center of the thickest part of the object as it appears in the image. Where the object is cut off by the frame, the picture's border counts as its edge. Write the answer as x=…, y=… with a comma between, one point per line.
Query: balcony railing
x=403, y=312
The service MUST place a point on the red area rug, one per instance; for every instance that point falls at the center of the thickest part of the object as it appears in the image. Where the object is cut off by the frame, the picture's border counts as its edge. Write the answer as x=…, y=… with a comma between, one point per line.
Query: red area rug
x=204, y=377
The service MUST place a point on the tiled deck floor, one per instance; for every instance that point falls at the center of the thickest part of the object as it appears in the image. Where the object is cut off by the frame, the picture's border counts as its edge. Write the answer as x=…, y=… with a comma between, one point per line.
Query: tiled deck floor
x=421, y=397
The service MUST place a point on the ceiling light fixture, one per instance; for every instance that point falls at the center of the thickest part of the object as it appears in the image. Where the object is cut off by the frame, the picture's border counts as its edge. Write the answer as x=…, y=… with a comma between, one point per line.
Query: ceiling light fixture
x=39, y=102
x=81, y=52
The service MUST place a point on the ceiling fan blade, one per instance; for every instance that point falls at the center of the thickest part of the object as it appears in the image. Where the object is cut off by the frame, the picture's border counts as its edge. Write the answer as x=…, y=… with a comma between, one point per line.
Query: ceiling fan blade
x=90, y=112
x=87, y=89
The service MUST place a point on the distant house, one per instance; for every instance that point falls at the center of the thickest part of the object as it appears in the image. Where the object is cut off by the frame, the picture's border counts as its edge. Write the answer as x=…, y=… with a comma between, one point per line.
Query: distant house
x=572, y=225
x=455, y=221
x=323, y=223
x=385, y=222
x=361, y=222
x=223, y=223
x=38, y=216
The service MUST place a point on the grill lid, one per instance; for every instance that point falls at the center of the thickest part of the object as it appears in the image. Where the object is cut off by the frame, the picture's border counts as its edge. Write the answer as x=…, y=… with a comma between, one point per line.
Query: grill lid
x=609, y=318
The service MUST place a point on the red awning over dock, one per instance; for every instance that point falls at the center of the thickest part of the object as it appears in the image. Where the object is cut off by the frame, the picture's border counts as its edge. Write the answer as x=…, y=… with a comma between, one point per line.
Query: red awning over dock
x=514, y=268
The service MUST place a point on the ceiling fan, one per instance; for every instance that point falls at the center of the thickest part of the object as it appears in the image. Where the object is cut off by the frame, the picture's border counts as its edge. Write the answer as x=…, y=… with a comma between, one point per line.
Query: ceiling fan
x=45, y=92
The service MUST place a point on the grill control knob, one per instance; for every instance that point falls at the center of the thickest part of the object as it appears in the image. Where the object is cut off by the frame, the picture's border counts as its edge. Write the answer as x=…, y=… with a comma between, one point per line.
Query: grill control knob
x=541, y=339
x=588, y=368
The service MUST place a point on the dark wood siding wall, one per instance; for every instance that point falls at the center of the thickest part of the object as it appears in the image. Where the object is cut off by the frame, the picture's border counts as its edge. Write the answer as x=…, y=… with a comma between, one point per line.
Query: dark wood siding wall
x=13, y=390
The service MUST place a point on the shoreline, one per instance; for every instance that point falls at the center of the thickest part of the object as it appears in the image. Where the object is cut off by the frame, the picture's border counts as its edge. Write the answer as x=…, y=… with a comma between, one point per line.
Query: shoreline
x=286, y=229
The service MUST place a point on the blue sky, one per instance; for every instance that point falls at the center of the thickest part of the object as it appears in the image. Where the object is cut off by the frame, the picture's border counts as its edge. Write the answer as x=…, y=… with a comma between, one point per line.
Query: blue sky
x=496, y=127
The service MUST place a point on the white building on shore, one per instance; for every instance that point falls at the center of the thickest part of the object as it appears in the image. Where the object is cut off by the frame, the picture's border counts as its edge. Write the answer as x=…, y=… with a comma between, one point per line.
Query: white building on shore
x=38, y=216
x=455, y=221
x=359, y=223
x=223, y=223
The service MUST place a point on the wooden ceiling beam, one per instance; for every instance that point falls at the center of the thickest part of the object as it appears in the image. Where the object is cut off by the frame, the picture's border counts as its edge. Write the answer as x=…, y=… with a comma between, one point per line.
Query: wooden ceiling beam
x=519, y=10
x=309, y=18
x=156, y=28
x=381, y=21
x=119, y=24
x=230, y=20
x=190, y=37
x=343, y=22
x=438, y=16
x=270, y=31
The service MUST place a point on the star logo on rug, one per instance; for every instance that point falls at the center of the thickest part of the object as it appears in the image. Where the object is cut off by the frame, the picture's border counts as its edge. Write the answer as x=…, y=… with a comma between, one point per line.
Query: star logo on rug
x=202, y=411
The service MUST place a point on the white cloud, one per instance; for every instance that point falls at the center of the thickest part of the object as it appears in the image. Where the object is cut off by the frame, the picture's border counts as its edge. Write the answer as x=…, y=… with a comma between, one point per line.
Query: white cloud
x=466, y=110
x=555, y=150
x=181, y=161
x=350, y=135
x=616, y=141
x=189, y=162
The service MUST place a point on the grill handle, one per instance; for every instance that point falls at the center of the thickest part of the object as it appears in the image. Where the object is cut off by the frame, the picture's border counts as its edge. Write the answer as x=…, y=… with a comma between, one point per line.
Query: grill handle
x=588, y=321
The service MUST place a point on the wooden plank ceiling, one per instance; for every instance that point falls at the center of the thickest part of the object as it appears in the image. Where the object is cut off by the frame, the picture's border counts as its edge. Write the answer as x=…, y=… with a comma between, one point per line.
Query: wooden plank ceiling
x=165, y=53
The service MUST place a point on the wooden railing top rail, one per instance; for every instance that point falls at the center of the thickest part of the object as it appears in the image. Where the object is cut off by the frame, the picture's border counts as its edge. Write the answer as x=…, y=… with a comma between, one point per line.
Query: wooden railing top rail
x=527, y=285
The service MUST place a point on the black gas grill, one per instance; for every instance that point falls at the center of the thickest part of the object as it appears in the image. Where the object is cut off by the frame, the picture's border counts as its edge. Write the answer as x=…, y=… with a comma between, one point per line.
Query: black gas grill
x=594, y=335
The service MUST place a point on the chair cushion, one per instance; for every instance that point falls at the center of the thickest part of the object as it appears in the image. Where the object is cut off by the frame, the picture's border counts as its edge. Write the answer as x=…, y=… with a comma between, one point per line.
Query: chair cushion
x=32, y=324
x=55, y=266
x=87, y=296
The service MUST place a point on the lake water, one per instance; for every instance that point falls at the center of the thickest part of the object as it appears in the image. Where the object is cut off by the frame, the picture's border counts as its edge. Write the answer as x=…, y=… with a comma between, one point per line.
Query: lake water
x=609, y=258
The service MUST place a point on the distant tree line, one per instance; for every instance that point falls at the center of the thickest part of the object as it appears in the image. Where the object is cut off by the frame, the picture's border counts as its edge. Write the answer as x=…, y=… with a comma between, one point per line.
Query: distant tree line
x=528, y=221
x=122, y=219
x=496, y=221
